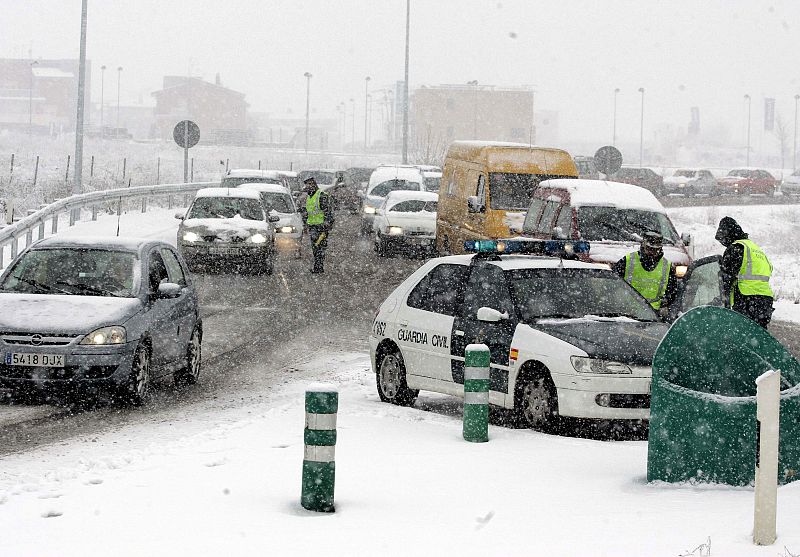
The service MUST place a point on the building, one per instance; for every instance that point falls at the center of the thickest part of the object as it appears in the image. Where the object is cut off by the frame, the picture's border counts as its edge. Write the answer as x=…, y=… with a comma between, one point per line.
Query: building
x=221, y=113
x=446, y=113
x=41, y=95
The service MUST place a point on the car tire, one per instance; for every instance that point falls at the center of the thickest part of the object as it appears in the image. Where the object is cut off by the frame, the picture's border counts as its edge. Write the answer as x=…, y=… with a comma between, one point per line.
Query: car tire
x=536, y=403
x=189, y=374
x=391, y=380
x=137, y=388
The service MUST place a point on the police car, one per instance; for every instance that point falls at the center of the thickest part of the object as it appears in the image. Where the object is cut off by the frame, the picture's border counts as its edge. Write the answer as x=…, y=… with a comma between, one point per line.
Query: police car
x=567, y=338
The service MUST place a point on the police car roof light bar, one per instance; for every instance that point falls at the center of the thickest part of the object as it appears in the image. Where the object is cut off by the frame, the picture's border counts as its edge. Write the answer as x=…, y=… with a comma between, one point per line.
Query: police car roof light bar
x=565, y=249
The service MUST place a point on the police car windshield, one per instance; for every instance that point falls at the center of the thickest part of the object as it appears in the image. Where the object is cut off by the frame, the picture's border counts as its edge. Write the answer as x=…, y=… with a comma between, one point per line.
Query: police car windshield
x=623, y=225
x=575, y=293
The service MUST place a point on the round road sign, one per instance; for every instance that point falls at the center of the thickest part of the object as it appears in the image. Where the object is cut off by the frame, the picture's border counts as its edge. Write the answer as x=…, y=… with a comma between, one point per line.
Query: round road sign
x=186, y=134
x=608, y=159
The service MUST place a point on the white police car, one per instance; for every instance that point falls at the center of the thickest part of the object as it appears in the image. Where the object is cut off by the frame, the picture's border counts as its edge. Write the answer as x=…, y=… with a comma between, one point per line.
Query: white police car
x=567, y=338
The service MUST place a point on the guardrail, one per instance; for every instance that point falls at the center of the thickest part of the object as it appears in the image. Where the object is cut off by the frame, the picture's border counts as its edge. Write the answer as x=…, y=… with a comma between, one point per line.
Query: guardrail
x=13, y=233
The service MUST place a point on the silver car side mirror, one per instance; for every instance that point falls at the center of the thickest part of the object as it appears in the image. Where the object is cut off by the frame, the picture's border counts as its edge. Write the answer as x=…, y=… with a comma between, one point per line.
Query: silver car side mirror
x=180, y=216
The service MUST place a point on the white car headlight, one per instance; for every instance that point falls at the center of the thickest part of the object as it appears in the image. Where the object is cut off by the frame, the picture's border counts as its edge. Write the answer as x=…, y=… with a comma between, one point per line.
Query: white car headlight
x=369, y=210
x=680, y=270
x=682, y=185
x=105, y=336
x=258, y=238
x=190, y=236
x=287, y=229
x=395, y=231
x=582, y=364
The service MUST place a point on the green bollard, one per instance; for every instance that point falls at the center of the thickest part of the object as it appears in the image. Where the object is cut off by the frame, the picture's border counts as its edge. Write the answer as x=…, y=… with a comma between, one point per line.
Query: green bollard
x=476, y=393
x=319, y=436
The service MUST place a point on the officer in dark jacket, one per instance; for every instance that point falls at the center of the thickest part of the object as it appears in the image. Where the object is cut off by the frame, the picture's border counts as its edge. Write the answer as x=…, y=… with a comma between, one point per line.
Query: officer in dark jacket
x=650, y=273
x=744, y=273
x=318, y=218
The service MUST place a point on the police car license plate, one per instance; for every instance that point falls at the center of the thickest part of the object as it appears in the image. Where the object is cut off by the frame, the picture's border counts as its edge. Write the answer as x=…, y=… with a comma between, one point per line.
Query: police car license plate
x=223, y=251
x=34, y=360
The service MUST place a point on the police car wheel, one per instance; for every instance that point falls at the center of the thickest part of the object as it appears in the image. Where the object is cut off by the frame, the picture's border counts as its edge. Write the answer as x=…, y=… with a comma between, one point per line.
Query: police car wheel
x=537, y=404
x=391, y=381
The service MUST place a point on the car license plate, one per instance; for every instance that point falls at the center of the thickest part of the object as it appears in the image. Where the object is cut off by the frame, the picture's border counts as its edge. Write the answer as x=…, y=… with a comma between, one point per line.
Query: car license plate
x=34, y=360
x=223, y=251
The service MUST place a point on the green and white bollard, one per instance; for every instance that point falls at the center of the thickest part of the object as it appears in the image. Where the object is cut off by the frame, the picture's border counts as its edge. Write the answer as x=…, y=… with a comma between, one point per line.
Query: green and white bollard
x=319, y=436
x=476, y=393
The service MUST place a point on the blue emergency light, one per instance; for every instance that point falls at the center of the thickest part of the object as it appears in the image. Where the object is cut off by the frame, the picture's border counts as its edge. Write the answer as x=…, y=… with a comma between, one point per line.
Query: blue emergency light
x=550, y=248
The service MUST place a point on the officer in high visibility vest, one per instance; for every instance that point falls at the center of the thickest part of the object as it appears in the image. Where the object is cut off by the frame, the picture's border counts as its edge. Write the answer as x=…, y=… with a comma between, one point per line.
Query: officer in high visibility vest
x=650, y=273
x=744, y=273
x=318, y=218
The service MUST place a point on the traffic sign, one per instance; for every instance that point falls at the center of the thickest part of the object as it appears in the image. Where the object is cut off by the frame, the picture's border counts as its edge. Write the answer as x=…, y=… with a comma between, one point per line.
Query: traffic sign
x=186, y=134
x=608, y=159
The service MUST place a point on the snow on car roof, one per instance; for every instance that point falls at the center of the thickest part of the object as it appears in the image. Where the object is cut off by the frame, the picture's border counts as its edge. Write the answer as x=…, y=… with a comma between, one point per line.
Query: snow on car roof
x=228, y=192
x=607, y=194
x=432, y=173
x=398, y=196
x=384, y=173
x=112, y=242
x=254, y=173
x=511, y=262
x=259, y=187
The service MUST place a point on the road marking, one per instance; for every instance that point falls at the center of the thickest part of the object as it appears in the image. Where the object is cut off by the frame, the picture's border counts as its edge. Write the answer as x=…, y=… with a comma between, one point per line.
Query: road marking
x=285, y=284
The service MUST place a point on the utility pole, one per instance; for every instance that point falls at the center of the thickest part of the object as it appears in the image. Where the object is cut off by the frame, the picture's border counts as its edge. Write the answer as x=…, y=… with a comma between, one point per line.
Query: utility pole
x=641, y=130
x=405, y=86
x=353, y=123
x=794, y=153
x=308, y=76
x=30, y=99
x=76, y=182
x=614, y=132
x=366, y=110
x=119, y=80
x=747, y=156
x=474, y=84
x=102, y=87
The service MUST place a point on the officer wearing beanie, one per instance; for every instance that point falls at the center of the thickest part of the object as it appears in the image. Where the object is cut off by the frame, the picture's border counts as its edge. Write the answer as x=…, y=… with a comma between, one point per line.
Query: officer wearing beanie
x=650, y=273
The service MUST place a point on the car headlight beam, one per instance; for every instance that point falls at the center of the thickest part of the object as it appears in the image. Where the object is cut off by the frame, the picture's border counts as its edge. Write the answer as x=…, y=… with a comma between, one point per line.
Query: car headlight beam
x=105, y=336
x=369, y=210
x=395, y=231
x=190, y=236
x=258, y=238
x=286, y=229
x=583, y=364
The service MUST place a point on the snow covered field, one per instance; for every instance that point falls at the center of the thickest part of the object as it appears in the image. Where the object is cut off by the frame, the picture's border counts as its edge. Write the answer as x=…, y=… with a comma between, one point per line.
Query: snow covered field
x=407, y=484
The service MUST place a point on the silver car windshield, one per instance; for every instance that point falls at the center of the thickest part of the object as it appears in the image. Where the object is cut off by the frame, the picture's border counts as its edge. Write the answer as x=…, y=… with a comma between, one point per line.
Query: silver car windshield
x=280, y=202
x=225, y=208
x=73, y=271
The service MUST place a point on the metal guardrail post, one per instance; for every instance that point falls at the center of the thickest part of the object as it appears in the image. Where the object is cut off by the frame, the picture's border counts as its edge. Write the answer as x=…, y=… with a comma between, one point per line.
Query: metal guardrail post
x=28, y=237
x=72, y=218
x=54, y=224
x=476, y=393
x=144, y=205
x=41, y=230
x=14, y=247
x=319, y=437
x=169, y=202
x=94, y=212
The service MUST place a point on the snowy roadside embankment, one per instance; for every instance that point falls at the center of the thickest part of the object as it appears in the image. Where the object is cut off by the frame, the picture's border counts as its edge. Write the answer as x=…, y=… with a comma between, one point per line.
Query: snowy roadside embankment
x=406, y=483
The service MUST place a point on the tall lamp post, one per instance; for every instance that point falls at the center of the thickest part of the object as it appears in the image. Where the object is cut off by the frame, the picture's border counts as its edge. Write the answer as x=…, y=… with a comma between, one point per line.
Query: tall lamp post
x=474, y=84
x=366, y=109
x=119, y=80
x=30, y=100
x=308, y=76
x=405, y=85
x=747, y=156
x=102, y=92
x=614, y=131
x=641, y=130
x=353, y=123
x=794, y=153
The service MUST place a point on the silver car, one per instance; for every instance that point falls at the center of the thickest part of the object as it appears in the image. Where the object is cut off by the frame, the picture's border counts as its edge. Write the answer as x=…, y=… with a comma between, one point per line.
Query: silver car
x=84, y=316
x=691, y=182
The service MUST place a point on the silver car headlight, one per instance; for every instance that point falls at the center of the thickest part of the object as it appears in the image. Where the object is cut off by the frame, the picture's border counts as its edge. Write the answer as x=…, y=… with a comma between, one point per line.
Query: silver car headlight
x=682, y=185
x=395, y=231
x=190, y=236
x=105, y=336
x=257, y=238
x=286, y=229
x=369, y=210
x=583, y=364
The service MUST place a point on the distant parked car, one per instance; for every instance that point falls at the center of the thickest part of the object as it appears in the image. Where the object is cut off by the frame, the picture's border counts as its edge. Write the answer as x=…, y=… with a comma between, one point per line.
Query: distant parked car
x=646, y=178
x=791, y=184
x=98, y=315
x=746, y=181
x=586, y=168
x=227, y=229
x=691, y=182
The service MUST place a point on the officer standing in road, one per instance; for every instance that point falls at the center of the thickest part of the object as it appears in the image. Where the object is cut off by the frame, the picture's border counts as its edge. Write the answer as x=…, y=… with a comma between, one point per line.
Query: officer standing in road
x=318, y=217
x=744, y=273
x=650, y=273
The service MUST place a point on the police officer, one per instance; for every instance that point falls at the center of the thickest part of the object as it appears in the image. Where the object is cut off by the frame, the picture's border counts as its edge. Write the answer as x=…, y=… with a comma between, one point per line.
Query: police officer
x=650, y=273
x=744, y=273
x=318, y=217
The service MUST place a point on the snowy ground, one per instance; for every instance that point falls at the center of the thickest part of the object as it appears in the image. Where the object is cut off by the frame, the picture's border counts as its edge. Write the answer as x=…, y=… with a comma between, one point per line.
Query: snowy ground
x=406, y=484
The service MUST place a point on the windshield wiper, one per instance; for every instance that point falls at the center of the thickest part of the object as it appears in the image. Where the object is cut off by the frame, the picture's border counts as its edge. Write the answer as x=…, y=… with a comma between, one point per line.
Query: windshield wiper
x=40, y=286
x=87, y=288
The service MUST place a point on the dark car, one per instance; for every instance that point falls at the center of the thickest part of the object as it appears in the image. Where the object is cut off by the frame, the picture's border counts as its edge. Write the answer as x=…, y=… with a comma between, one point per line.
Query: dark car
x=643, y=177
x=98, y=315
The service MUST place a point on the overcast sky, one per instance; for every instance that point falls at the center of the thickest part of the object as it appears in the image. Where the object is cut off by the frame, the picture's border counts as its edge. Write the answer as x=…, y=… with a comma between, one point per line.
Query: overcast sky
x=683, y=52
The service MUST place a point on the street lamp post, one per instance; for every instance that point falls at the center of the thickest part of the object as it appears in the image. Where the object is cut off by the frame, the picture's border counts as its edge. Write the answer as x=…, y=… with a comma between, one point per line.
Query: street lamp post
x=308, y=76
x=353, y=123
x=102, y=92
x=641, y=130
x=474, y=84
x=794, y=153
x=392, y=135
x=119, y=80
x=366, y=109
x=747, y=156
x=405, y=85
x=614, y=131
x=30, y=100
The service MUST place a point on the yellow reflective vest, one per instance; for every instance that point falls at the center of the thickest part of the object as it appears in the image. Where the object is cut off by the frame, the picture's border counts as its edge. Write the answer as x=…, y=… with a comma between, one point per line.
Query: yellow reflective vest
x=755, y=272
x=315, y=214
x=652, y=285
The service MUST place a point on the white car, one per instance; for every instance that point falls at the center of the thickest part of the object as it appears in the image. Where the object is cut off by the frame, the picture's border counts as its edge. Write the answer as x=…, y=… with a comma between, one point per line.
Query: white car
x=691, y=182
x=406, y=221
x=432, y=180
x=277, y=201
x=382, y=181
x=567, y=338
x=791, y=184
x=236, y=177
